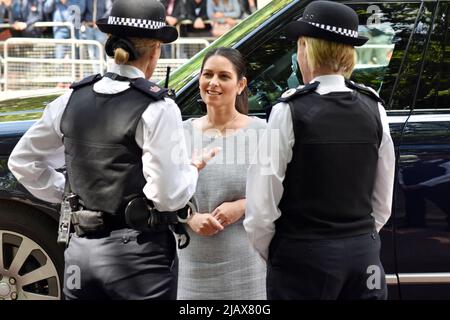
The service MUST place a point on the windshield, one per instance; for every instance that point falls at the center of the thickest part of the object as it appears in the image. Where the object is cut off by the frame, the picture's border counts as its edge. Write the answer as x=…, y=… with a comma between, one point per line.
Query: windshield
x=188, y=71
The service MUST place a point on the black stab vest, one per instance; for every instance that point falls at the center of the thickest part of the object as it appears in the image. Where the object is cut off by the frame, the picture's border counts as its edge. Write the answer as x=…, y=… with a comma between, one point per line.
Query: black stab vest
x=104, y=162
x=329, y=181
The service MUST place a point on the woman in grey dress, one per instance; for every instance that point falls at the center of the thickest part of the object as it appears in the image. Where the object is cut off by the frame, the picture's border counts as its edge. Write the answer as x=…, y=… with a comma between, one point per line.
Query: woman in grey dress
x=219, y=263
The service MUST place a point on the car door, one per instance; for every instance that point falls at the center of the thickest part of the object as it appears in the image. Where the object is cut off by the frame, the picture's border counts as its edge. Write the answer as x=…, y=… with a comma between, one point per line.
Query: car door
x=423, y=189
x=383, y=65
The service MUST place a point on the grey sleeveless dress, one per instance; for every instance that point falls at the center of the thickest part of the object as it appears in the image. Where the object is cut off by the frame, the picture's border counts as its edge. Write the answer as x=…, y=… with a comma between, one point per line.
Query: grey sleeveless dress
x=222, y=266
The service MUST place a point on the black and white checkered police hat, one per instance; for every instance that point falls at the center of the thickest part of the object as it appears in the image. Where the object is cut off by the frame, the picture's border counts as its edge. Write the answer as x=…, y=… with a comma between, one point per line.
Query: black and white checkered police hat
x=327, y=20
x=138, y=18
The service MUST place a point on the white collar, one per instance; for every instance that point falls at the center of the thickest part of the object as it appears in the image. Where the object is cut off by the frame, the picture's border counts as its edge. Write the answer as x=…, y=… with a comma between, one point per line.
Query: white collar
x=125, y=70
x=330, y=83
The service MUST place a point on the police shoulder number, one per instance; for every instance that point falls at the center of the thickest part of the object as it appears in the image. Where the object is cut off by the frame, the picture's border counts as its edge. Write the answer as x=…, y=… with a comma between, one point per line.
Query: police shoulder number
x=288, y=93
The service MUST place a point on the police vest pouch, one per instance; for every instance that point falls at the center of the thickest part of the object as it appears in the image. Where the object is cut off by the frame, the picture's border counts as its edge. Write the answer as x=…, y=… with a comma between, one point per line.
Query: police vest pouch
x=140, y=215
x=137, y=214
x=86, y=222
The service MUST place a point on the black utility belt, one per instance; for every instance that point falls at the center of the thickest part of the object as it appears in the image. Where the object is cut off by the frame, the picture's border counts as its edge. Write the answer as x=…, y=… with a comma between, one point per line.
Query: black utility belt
x=87, y=222
x=138, y=215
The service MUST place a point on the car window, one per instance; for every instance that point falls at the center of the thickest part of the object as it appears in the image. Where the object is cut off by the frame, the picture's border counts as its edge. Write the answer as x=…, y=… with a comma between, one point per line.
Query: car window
x=250, y=35
x=273, y=67
x=404, y=88
x=434, y=89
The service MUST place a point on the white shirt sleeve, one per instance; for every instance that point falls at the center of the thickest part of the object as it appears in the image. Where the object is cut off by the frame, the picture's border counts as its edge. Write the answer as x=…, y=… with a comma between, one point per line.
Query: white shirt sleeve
x=265, y=179
x=384, y=179
x=171, y=180
x=39, y=152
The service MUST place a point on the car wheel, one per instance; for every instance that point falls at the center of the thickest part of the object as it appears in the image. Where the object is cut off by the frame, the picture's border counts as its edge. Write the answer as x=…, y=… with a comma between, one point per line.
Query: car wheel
x=31, y=261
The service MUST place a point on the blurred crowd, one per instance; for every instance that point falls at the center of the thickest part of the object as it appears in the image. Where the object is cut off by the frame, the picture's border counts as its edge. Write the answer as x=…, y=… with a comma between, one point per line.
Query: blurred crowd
x=198, y=18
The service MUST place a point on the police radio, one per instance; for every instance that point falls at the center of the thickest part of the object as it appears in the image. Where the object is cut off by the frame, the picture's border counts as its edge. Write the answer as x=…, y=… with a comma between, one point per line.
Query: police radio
x=64, y=223
x=68, y=205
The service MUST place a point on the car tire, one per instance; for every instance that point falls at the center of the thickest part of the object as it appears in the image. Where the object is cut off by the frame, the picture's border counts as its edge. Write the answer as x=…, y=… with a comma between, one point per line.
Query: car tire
x=31, y=261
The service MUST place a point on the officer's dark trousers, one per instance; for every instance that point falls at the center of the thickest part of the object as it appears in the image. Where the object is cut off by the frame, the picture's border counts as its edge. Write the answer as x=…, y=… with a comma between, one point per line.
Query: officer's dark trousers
x=126, y=264
x=347, y=268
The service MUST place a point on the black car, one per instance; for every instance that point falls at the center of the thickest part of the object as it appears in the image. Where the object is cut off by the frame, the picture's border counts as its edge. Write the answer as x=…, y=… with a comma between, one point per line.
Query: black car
x=407, y=60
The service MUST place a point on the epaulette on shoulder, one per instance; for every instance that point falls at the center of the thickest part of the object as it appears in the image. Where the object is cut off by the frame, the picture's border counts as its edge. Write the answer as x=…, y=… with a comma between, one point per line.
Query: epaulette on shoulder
x=364, y=90
x=149, y=88
x=300, y=90
x=86, y=81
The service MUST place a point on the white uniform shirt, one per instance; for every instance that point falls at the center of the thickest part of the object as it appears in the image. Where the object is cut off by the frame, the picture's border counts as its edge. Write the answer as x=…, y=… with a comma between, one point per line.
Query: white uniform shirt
x=170, y=184
x=265, y=178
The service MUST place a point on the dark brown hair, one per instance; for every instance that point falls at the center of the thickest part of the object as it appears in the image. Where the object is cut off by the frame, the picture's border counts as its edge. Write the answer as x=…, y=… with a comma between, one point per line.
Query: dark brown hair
x=238, y=62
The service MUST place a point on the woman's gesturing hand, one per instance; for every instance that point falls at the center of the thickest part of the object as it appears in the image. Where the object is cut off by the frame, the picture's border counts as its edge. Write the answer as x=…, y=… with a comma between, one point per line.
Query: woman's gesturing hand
x=200, y=159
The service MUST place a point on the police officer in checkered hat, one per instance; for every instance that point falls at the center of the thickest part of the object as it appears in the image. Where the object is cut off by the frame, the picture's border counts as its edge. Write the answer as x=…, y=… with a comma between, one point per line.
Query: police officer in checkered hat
x=117, y=135
x=330, y=191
